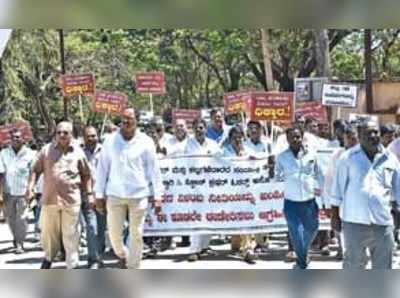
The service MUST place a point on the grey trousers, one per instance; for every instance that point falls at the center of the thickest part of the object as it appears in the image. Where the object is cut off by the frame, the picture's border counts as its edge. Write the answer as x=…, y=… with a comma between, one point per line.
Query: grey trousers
x=14, y=208
x=378, y=240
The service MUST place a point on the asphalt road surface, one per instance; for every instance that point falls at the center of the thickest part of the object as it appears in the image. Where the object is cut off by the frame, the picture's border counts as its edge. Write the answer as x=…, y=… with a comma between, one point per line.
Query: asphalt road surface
x=170, y=259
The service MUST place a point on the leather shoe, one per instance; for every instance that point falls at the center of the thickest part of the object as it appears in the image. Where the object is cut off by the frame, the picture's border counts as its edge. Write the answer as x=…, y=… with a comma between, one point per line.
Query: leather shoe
x=45, y=264
x=122, y=264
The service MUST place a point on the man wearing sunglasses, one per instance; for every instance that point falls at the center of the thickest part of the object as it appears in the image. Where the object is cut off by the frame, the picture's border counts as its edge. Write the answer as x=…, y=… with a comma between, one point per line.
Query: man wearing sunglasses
x=66, y=172
x=15, y=166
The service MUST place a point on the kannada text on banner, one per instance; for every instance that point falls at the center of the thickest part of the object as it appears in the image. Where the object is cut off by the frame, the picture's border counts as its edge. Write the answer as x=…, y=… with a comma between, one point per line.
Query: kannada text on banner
x=210, y=195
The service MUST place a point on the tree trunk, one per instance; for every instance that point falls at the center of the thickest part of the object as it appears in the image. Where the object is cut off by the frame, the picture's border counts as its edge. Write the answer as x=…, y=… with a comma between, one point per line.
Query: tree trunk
x=322, y=52
x=368, y=69
x=322, y=69
x=269, y=79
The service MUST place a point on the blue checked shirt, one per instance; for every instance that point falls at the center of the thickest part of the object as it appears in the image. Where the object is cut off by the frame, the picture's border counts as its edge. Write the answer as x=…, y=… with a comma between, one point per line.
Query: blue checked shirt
x=302, y=176
x=363, y=189
x=16, y=169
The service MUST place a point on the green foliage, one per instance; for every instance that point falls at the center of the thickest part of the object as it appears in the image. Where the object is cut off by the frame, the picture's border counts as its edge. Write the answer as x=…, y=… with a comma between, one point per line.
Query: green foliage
x=200, y=65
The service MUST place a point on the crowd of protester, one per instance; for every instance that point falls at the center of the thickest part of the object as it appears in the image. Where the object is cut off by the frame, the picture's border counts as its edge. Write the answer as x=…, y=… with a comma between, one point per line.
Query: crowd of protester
x=87, y=187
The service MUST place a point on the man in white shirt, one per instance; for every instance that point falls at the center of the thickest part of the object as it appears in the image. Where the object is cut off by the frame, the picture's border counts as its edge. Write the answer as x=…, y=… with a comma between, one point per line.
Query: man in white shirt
x=176, y=145
x=15, y=166
x=297, y=167
x=127, y=175
x=350, y=140
x=200, y=145
x=259, y=147
x=366, y=180
x=163, y=137
x=256, y=144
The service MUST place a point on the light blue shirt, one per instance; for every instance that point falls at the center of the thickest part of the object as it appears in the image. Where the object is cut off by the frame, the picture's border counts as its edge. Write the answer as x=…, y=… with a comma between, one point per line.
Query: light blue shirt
x=218, y=136
x=301, y=175
x=363, y=189
x=16, y=169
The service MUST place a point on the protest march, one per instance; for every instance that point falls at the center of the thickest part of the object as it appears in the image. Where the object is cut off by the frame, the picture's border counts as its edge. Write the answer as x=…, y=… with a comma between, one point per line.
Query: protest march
x=128, y=179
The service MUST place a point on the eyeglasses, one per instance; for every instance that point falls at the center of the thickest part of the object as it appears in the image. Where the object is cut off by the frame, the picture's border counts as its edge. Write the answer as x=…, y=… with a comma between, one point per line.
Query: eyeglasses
x=62, y=132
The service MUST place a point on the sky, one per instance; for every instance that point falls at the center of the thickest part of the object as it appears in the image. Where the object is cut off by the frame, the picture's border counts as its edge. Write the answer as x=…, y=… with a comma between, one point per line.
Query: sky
x=4, y=36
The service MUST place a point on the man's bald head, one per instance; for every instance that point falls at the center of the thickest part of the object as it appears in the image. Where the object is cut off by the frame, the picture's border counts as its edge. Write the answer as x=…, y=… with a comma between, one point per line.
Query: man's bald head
x=129, y=123
x=65, y=125
x=64, y=134
x=180, y=129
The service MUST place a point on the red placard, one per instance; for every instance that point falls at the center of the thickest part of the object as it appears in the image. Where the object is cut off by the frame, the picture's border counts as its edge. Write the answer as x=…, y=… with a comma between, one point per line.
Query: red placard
x=237, y=102
x=150, y=82
x=271, y=106
x=312, y=109
x=83, y=84
x=109, y=102
x=188, y=115
x=5, y=130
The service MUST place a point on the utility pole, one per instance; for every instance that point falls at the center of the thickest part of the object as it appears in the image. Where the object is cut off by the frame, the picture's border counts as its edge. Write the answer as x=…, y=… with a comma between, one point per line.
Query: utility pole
x=62, y=57
x=269, y=78
x=368, y=70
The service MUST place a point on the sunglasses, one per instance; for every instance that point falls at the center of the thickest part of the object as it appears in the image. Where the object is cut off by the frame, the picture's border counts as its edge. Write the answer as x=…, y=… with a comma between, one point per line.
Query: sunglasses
x=63, y=133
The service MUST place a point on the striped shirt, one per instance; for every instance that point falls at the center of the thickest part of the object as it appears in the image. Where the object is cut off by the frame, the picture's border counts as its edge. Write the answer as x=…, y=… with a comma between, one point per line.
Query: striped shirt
x=16, y=169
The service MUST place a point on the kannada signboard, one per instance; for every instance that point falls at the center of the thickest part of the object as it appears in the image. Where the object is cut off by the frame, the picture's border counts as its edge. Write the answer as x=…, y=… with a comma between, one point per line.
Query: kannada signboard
x=309, y=89
x=312, y=109
x=184, y=114
x=81, y=84
x=339, y=95
x=150, y=82
x=236, y=102
x=109, y=102
x=271, y=106
x=5, y=130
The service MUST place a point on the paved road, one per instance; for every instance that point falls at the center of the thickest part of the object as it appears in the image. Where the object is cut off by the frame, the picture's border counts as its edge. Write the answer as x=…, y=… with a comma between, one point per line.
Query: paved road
x=172, y=259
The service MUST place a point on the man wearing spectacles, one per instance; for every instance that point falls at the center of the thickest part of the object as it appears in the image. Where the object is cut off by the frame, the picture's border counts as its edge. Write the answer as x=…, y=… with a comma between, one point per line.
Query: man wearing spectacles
x=65, y=172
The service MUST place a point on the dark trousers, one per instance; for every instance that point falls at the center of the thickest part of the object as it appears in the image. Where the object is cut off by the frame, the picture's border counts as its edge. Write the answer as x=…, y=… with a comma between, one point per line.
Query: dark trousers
x=303, y=223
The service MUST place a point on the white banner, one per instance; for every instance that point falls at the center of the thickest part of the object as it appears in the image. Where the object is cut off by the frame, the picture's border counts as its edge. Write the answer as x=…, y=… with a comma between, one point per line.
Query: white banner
x=206, y=195
x=339, y=95
x=360, y=118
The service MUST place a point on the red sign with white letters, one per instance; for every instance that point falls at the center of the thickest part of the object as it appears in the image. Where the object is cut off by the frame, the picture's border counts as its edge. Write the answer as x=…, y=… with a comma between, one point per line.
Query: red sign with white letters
x=150, y=82
x=109, y=102
x=82, y=84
